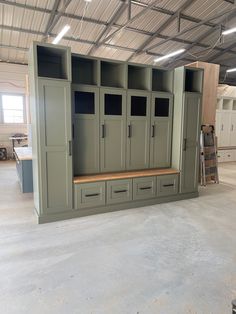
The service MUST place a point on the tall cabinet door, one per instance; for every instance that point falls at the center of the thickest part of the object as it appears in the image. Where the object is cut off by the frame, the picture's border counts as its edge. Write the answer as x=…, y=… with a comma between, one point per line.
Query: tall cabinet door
x=55, y=145
x=161, y=130
x=138, y=130
x=112, y=129
x=233, y=129
x=85, y=102
x=225, y=129
x=190, y=143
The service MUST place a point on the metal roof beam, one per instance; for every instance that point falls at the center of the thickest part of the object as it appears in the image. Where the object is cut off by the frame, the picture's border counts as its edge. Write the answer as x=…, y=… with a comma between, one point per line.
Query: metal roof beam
x=134, y=18
x=113, y=20
x=219, y=54
x=185, y=5
x=193, y=27
x=51, y=18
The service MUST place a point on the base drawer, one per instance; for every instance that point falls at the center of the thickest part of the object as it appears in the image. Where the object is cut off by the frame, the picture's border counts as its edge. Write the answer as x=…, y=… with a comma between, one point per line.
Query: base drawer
x=89, y=195
x=119, y=191
x=167, y=185
x=144, y=188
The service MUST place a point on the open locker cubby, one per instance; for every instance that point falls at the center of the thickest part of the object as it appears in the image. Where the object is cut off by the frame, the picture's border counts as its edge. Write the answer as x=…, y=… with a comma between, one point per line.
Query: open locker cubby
x=52, y=62
x=234, y=104
x=139, y=77
x=113, y=74
x=227, y=104
x=84, y=71
x=162, y=80
x=193, y=80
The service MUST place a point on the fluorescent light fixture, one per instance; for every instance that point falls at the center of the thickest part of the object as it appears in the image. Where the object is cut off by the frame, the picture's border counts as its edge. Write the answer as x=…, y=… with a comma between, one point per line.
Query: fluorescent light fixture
x=231, y=70
x=172, y=54
x=229, y=31
x=61, y=34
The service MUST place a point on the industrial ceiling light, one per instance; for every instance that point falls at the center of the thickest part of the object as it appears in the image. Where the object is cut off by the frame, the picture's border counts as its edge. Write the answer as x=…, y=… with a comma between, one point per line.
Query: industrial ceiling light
x=231, y=70
x=229, y=31
x=172, y=54
x=61, y=34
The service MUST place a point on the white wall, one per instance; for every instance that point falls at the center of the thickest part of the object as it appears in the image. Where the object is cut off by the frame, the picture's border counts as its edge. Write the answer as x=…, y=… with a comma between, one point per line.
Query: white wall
x=12, y=80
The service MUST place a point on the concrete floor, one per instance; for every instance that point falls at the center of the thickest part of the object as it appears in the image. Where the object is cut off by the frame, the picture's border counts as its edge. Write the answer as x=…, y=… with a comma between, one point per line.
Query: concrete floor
x=170, y=258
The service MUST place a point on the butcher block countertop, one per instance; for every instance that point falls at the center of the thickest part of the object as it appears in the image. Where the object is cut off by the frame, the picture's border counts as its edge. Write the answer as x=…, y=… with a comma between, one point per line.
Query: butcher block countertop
x=124, y=175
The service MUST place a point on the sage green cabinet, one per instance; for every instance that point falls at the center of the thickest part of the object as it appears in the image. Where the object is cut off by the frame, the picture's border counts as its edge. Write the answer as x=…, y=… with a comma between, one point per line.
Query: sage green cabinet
x=90, y=195
x=85, y=102
x=54, y=109
x=167, y=185
x=112, y=129
x=161, y=130
x=119, y=191
x=190, y=143
x=138, y=129
x=144, y=187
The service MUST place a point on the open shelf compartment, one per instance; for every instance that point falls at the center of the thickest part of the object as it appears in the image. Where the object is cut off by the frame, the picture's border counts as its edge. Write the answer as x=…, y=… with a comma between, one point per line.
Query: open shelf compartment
x=139, y=77
x=193, y=80
x=84, y=71
x=113, y=74
x=52, y=62
x=234, y=104
x=162, y=80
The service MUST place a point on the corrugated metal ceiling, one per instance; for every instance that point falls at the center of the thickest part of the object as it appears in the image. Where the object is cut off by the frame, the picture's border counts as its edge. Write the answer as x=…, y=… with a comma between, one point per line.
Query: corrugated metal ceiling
x=23, y=21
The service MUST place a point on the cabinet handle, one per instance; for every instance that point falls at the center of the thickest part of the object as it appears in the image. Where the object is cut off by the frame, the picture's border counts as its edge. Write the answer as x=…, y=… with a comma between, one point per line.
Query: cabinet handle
x=70, y=148
x=153, y=130
x=129, y=130
x=185, y=144
x=166, y=185
x=94, y=194
x=120, y=191
x=73, y=131
x=145, y=188
x=103, y=130
x=222, y=127
x=232, y=127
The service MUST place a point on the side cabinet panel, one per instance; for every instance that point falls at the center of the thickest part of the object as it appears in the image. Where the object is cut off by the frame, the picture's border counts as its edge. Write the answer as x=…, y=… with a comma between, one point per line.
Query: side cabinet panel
x=190, y=143
x=56, y=148
x=138, y=130
x=161, y=130
x=85, y=102
x=112, y=129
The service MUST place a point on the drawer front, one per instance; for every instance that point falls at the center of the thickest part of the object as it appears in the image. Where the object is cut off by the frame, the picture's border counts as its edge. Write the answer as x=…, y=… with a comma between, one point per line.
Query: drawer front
x=167, y=185
x=119, y=191
x=221, y=156
x=144, y=188
x=89, y=195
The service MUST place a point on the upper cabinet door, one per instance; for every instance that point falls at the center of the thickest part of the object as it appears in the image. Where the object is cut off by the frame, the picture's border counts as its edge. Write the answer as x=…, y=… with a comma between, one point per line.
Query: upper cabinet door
x=161, y=130
x=190, y=143
x=56, y=146
x=112, y=129
x=85, y=102
x=138, y=130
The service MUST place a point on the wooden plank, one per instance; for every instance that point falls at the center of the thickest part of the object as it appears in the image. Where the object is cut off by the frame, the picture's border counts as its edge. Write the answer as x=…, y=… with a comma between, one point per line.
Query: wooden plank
x=209, y=95
x=23, y=153
x=124, y=175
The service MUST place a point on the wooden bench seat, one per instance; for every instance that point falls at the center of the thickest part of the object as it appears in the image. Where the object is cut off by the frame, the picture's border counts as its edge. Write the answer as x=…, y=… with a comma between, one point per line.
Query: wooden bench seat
x=123, y=175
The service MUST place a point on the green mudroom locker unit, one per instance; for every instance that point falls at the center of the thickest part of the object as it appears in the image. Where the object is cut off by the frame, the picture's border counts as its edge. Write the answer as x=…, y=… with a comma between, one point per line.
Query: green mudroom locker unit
x=110, y=135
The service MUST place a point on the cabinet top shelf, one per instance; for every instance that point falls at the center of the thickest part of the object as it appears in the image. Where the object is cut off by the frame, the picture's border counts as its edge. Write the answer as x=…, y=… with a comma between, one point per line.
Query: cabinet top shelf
x=124, y=175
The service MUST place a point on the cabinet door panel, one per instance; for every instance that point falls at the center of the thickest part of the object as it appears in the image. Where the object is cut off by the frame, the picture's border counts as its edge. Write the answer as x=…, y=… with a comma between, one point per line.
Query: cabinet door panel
x=138, y=128
x=190, y=144
x=56, y=150
x=86, y=129
x=233, y=130
x=161, y=130
x=225, y=129
x=112, y=129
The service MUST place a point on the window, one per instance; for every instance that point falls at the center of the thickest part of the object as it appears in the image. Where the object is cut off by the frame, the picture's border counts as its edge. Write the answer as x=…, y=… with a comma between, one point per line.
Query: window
x=12, y=108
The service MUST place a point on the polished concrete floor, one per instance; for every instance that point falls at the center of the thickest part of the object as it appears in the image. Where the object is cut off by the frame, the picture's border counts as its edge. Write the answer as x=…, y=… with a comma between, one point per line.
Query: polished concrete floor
x=170, y=258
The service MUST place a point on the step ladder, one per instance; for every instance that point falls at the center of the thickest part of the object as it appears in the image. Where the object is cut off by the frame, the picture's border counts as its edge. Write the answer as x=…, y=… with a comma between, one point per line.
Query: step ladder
x=208, y=155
